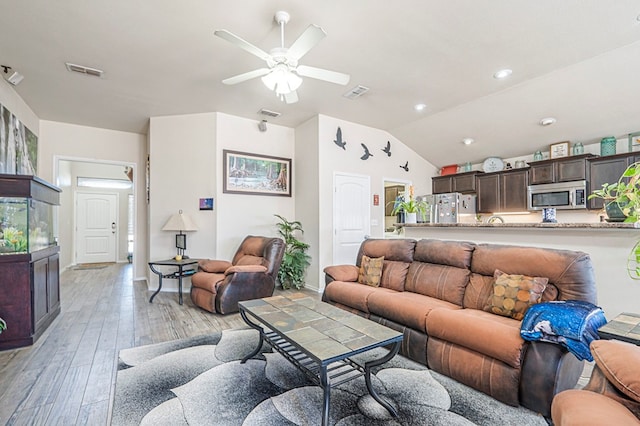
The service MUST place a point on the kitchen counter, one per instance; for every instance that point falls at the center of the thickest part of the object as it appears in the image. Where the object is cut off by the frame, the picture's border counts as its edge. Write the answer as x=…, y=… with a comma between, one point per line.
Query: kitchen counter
x=594, y=225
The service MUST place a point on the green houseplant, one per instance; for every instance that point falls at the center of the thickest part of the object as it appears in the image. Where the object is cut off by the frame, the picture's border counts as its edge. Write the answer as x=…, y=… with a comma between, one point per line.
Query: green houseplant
x=295, y=260
x=625, y=194
x=411, y=206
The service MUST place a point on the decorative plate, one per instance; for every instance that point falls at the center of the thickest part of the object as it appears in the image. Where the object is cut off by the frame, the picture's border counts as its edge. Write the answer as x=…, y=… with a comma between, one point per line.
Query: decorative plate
x=492, y=164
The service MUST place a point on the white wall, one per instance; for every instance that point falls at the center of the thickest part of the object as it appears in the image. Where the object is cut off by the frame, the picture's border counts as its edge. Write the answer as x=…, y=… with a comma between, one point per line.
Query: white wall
x=332, y=159
x=241, y=215
x=183, y=169
x=63, y=141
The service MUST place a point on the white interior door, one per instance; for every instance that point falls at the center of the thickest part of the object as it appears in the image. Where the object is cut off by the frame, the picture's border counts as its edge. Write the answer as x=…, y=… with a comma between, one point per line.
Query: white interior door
x=351, y=216
x=96, y=227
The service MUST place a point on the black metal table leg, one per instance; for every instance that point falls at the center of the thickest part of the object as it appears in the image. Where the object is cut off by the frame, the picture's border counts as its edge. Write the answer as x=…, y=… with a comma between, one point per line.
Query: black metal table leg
x=260, y=333
x=180, y=284
x=159, y=282
x=367, y=368
x=326, y=388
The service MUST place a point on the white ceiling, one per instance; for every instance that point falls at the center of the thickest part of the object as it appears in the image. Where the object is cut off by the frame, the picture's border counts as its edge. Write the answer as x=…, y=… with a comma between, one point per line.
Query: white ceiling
x=576, y=60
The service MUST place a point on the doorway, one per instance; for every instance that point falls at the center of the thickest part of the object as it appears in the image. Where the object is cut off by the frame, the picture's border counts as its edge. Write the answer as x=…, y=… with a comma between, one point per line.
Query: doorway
x=96, y=227
x=393, y=188
x=79, y=176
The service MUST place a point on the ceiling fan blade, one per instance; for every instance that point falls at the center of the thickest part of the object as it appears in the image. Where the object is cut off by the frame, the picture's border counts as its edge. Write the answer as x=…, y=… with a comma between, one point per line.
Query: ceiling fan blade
x=291, y=97
x=242, y=44
x=322, y=74
x=309, y=38
x=246, y=76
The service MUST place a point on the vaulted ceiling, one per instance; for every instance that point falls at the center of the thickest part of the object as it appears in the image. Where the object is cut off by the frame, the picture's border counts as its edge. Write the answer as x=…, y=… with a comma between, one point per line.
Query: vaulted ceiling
x=575, y=60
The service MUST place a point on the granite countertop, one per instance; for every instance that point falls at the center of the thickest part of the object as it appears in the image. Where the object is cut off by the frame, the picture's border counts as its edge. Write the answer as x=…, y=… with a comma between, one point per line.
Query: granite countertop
x=596, y=225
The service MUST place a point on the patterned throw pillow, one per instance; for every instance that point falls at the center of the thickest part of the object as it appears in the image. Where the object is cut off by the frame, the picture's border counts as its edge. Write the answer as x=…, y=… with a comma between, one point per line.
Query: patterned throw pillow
x=513, y=294
x=371, y=270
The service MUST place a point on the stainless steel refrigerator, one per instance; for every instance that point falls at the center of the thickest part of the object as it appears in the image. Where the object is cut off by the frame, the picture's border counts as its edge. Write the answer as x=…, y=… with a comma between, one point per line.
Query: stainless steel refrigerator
x=450, y=207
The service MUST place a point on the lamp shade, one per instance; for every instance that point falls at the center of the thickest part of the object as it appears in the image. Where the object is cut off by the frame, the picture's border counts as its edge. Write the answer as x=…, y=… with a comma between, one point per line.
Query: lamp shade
x=180, y=222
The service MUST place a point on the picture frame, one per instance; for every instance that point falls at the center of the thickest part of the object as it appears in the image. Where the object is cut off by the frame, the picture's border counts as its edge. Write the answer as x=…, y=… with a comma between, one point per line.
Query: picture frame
x=206, y=204
x=255, y=174
x=559, y=149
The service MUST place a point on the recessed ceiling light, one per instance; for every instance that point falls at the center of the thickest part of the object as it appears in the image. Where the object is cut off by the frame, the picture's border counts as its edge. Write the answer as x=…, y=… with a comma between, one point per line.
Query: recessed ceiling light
x=468, y=141
x=420, y=107
x=502, y=74
x=547, y=121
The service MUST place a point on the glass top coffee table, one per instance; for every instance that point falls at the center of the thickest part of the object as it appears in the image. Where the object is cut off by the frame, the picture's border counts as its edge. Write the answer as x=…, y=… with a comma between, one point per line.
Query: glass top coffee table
x=320, y=339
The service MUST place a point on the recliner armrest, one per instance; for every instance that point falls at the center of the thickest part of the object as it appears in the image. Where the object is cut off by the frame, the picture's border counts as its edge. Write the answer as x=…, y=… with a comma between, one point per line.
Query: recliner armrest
x=245, y=268
x=347, y=273
x=215, y=266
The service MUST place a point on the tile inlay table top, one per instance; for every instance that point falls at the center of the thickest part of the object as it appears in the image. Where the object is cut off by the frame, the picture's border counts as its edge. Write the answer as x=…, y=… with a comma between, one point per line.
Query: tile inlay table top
x=319, y=339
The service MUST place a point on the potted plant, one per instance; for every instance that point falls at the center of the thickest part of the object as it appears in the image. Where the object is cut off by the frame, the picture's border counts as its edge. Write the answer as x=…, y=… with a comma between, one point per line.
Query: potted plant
x=625, y=196
x=410, y=207
x=295, y=259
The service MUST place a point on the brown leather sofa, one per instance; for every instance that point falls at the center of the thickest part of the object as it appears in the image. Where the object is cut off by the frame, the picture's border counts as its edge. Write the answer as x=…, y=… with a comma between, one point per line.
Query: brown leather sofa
x=435, y=292
x=219, y=285
x=612, y=396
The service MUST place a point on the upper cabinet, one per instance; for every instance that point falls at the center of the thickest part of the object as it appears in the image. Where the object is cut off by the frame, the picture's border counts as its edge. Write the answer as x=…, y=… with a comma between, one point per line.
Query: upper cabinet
x=461, y=182
x=502, y=191
x=607, y=169
x=559, y=170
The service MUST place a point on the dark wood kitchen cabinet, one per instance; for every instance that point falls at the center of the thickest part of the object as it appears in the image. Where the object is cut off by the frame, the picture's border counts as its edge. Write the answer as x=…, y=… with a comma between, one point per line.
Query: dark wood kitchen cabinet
x=607, y=169
x=565, y=169
x=464, y=183
x=502, y=191
x=29, y=259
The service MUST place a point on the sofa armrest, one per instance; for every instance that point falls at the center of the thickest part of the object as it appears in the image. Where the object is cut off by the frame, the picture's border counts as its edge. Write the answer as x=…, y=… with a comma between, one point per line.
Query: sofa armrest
x=348, y=273
x=246, y=268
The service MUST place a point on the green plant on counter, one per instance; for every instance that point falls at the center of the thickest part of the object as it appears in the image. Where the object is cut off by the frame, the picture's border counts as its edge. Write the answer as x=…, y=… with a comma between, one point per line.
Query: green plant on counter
x=13, y=240
x=626, y=195
x=411, y=206
x=295, y=259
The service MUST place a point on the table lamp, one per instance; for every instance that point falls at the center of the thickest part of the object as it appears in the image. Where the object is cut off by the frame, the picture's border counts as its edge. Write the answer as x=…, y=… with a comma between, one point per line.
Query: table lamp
x=180, y=222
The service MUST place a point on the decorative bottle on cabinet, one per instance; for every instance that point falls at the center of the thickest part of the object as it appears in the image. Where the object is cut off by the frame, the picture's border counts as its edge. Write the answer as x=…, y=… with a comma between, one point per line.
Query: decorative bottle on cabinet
x=608, y=146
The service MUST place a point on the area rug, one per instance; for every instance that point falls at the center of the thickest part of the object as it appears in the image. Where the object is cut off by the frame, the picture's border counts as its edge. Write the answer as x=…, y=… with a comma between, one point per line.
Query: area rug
x=200, y=381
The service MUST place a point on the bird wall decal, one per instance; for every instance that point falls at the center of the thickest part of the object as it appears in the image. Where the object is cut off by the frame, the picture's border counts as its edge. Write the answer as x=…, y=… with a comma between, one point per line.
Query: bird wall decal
x=387, y=149
x=338, y=140
x=405, y=167
x=367, y=154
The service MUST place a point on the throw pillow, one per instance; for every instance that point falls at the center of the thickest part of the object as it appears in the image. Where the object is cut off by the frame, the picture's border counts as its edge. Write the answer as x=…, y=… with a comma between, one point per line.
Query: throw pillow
x=513, y=294
x=370, y=270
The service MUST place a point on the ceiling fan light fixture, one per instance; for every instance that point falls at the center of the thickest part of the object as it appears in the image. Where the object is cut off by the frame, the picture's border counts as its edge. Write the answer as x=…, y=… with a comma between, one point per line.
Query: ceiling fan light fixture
x=282, y=81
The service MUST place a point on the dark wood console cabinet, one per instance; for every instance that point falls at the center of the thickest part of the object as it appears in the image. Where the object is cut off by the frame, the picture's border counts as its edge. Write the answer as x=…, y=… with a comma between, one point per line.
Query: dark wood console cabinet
x=30, y=283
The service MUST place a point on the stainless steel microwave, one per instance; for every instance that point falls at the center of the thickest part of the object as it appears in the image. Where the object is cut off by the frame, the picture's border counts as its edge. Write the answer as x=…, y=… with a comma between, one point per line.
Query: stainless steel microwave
x=561, y=195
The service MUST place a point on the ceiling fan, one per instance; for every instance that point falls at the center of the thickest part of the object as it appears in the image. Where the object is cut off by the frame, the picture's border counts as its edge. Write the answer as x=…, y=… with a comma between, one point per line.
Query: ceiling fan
x=283, y=72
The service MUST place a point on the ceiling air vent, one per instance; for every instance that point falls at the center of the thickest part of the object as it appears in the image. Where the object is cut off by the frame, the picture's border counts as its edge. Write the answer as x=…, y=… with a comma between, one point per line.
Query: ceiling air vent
x=84, y=70
x=356, y=92
x=269, y=113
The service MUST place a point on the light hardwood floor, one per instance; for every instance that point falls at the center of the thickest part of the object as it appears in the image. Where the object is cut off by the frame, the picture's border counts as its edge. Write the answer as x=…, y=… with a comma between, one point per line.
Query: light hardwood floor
x=68, y=376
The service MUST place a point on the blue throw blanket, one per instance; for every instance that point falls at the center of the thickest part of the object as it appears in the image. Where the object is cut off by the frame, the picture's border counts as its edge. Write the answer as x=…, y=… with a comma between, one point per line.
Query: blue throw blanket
x=573, y=324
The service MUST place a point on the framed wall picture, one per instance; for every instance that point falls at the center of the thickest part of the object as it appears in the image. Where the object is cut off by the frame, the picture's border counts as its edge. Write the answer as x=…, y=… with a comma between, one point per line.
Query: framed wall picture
x=559, y=149
x=206, y=204
x=255, y=174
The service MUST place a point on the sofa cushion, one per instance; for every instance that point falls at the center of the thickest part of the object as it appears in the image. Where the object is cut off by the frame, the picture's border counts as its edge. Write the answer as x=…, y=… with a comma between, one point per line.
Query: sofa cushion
x=480, y=288
x=370, y=270
x=342, y=272
x=406, y=308
x=570, y=271
x=452, y=253
x=394, y=275
x=513, y=294
x=353, y=295
x=619, y=362
x=488, y=334
x=400, y=250
x=214, y=265
x=440, y=281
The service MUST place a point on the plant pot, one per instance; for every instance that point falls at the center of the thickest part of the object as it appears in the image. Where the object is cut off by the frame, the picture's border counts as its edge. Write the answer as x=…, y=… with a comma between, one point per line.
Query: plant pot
x=411, y=217
x=614, y=213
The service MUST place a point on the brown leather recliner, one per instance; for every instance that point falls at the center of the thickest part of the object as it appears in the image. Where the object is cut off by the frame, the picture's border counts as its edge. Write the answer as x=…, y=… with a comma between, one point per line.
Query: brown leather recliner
x=219, y=285
x=612, y=395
